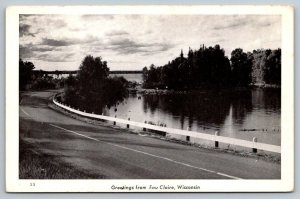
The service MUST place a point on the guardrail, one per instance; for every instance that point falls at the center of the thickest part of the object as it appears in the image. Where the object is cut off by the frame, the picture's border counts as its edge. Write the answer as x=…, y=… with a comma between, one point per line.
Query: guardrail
x=216, y=138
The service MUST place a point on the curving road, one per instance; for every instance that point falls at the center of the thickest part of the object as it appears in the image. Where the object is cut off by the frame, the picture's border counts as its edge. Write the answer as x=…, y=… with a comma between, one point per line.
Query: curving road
x=121, y=155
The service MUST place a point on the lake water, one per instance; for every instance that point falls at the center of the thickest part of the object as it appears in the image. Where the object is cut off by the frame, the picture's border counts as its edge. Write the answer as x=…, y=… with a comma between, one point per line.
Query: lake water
x=239, y=114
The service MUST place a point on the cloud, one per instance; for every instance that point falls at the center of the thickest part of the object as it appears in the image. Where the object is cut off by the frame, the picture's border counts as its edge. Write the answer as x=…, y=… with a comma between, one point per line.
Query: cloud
x=88, y=40
x=57, y=57
x=128, y=46
x=148, y=32
x=54, y=21
x=117, y=33
x=232, y=24
x=25, y=52
x=241, y=21
x=30, y=51
x=96, y=17
x=76, y=29
x=60, y=42
x=42, y=49
x=264, y=23
x=57, y=23
x=143, y=38
x=54, y=42
x=24, y=30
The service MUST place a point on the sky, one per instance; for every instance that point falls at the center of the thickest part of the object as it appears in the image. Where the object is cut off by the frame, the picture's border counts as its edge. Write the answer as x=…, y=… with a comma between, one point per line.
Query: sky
x=130, y=42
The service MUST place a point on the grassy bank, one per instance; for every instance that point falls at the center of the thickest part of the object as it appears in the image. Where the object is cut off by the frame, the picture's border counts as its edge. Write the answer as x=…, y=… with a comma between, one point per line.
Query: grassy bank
x=34, y=165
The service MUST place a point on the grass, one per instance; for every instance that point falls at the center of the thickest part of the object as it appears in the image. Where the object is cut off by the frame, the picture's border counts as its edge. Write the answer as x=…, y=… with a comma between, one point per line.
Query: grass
x=33, y=165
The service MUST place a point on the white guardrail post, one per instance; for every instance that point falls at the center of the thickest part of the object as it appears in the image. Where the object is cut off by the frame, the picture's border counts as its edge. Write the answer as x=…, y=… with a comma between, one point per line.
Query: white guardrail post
x=254, y=145
x=188, y=138
x=144, y=129
x=128, y=124
x=254, y=149
x=217, y=142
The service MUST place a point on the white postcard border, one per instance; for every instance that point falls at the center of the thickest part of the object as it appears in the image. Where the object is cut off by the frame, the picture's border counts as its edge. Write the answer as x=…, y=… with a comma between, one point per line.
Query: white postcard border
x=14, y=184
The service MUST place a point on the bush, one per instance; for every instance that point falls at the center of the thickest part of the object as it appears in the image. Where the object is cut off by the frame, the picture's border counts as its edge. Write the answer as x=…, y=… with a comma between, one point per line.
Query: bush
x=43, y=83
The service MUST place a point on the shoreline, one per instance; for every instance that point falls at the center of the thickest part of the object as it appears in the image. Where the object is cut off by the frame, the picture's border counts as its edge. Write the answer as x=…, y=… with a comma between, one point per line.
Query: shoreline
x=195, y=91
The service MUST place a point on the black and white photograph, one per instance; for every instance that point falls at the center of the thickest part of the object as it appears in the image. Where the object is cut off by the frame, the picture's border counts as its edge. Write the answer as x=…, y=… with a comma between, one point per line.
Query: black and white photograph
x=150, y=99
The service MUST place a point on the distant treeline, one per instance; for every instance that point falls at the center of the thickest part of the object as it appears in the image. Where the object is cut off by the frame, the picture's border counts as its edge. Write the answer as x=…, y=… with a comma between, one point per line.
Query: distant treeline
x=208, y=67
x=74, y=72
x=36, y=80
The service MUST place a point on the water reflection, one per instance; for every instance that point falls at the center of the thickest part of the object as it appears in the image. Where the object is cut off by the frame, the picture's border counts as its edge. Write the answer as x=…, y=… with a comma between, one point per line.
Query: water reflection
x=241, y=114
x=206, y=107
x=241, y=102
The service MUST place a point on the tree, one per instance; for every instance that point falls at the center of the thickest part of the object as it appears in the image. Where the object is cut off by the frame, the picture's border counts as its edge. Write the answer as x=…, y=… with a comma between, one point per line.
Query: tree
x=272, y=69
x=145, y=75
x=219, y=67
x=25, y=73
x=208, y=67
x=152, y=78
x=175, y=74
x=71, y=91
x=258, y=65
x=241, y=68
x=203, y=68
x=266, y=65
x=92, y=89
x=92, y=72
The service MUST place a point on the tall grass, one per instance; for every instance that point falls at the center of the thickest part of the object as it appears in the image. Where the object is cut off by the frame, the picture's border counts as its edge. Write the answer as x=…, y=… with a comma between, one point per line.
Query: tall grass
x=33, y=165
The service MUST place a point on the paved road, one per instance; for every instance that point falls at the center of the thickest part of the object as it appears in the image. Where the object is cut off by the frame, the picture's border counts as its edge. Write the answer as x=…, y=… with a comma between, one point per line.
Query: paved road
x=120, y=155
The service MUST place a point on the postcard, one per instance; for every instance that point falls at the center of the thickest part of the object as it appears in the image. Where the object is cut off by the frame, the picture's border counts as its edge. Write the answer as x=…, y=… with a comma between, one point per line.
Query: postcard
x=150, y=98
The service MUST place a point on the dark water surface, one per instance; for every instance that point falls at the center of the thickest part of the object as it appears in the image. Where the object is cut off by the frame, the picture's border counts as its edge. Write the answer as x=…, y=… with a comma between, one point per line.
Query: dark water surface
x=240, y=114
